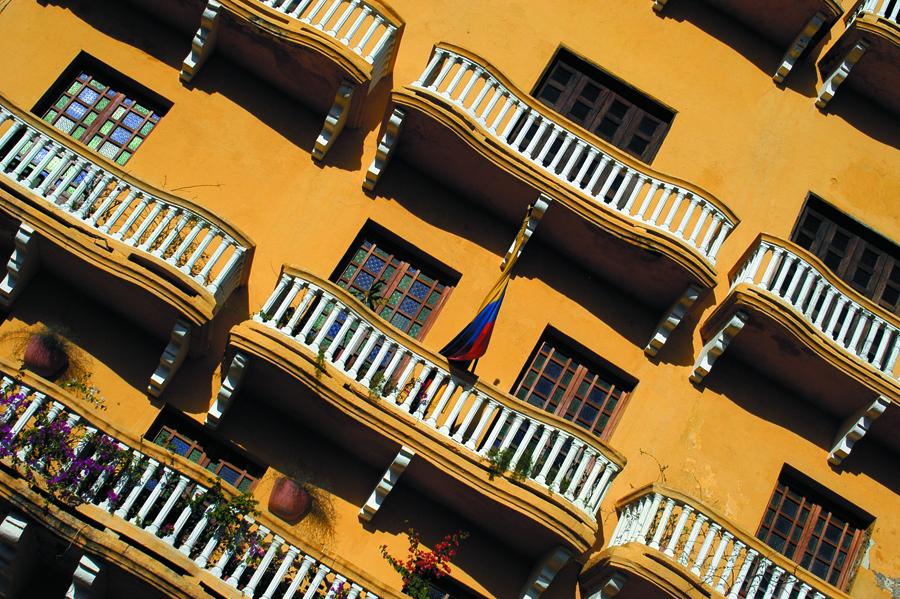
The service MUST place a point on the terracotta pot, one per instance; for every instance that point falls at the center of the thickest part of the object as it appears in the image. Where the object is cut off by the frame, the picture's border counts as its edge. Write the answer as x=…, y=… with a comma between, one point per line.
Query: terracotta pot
x=289, y=501
x=44, y=359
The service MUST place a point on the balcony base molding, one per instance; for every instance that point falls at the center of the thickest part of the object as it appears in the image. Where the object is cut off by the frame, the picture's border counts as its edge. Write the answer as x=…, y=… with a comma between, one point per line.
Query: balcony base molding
x=172, y=357
x=387, y=142
x=386, y=484
x=717, y=345
x=544, y=572
x=855, y=428
x=231, y=383
x=204, y=41
x=89, y=580
x=798, y=46
x=672, y=319
x=646, y=573
x=335, y=120
x=831, y=84
x=21, y=267
x=18, y=553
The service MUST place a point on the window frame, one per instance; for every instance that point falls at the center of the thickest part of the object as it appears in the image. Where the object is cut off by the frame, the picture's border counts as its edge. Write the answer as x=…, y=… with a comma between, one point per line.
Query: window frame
x=612, y=88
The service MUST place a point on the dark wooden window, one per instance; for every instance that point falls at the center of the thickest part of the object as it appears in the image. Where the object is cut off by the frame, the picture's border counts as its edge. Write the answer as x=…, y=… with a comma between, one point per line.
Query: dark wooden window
x=101, y=109
x=866, y=261
x=188, y=440
x=561, y=382
x=812, y=531
x=403, y=290
x=604, y=105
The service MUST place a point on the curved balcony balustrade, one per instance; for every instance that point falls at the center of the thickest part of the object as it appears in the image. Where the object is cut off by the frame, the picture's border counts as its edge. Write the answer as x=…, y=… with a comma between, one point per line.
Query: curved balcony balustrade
x=670, y=539
x=410, y=394
x=794, y=25
x=330, y=54
x=170, y=260
x=156, y=505
x=869, y=47
x=464, y=121
x=791, y=317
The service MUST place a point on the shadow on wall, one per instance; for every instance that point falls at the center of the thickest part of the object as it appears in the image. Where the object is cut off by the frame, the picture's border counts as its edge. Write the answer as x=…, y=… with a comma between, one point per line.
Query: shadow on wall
x=784, y=408
x=865, y=115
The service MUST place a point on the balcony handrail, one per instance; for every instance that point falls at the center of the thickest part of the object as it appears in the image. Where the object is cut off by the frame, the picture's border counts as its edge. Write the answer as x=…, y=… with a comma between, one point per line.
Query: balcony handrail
x=888, y=10
x=394, y=368
x=573, y=155
x=368, y=28
x=716, y=551
x=844, y=316
x=203, y=248
x=140, y=499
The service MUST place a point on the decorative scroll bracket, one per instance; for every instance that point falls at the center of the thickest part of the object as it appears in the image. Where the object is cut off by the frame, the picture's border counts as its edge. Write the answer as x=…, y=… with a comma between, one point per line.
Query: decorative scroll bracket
x=672, y=319
x=611, y=587
x=335, y=120
x=231, y=382
x=22, y=265
x=386, y=484
x=716, y=346
x=798, y=46
x=658, y=5
x=855, y=428
x=833, y=82
x=89, y=579
x=171, y=358
x=544, y=572
x=536, y=213
x=390, y=133
x=204, y=41
x=18, y=554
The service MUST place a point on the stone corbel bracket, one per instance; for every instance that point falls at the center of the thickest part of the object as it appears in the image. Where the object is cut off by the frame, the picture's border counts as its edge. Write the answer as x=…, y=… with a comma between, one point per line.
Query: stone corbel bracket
x=535, y=213
x=172, y=357
x=387, y=141
x=611, y=587
x=22, y=265
x=855, y=428
x=672, y=319
x=798, y=46
x=841, y=72
x=717, y=345
x=544, y=572
x=89, y=579
x=231, y=382
x=386, y=484
x=658, y=5
x=204, y=41
x=335, y=119
x=18, y=554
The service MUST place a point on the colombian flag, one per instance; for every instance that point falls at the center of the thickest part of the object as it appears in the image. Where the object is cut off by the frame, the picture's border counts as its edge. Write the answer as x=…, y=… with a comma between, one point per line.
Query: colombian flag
x=471, y=343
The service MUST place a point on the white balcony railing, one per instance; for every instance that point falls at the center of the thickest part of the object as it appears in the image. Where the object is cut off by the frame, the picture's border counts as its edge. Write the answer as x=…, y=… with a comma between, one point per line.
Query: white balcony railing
x=780, y=268
x=165, y=502
x=884, y=9
x=355, y=24
x=391, y=371
x=70, y=180
x=556, y=148
x=717, y=554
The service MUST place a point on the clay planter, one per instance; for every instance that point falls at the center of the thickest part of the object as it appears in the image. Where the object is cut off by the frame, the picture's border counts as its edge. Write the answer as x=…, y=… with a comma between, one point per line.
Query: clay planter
x=289, y=500
x=45, y=357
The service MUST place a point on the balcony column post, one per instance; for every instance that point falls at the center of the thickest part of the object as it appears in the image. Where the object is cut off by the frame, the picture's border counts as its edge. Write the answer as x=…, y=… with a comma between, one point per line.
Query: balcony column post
x=472, y=442
x=336, y=118
x=442, y=402
x=541, y=478
x=831, y=84
x=798, y=46
x=716, y=346
x=22, y=265
x=230, y=385
x=387, y=142
x=523, y=444
x=172, y=357
x=544, y=572
x=454, y=412
x=204, y=41
x=386, y=484
x=854, y=428
x=749, y=557
x=671, y=320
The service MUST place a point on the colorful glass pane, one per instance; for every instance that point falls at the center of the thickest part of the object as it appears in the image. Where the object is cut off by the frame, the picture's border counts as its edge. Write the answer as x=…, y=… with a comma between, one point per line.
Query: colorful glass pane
x=73, y=89
x=133, y=145
x=132, y=121
x=64, y=124
x=109, y=150
x=102, y=104
x=61, y=103
x=76, y=110
x=88, y=96
x=107, y=127
x=90, y=118
x=118, y=112
x=120, y=135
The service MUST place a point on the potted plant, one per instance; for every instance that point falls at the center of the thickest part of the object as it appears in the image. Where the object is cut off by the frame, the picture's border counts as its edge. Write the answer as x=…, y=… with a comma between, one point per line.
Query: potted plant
x=47, y=353
x=289, y=500
x=421, y=566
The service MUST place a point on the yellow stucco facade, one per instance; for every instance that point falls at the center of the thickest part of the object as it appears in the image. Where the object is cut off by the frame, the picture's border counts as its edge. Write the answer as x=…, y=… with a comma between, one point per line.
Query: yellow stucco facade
x=235, y=149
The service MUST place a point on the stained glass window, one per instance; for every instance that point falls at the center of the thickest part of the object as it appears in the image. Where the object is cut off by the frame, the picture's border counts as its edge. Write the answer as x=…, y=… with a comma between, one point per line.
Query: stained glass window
x=562, y=383
x=402, y=290
x=812, y=531
x=197, y=451
x=107, y=119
